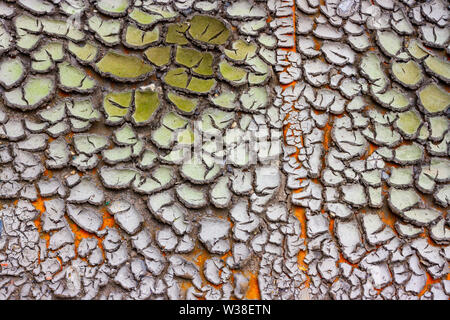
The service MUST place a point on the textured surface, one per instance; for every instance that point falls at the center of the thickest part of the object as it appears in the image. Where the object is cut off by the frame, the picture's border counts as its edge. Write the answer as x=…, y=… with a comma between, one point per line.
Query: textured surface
x=181, y=149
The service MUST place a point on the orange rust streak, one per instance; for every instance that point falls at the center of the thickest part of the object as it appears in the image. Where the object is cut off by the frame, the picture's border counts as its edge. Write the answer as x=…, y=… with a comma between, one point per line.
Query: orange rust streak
x=90, y=73
x=60, y=263
x=317, y=44
x=285, y=86
x=63, y=94
x=331, y=228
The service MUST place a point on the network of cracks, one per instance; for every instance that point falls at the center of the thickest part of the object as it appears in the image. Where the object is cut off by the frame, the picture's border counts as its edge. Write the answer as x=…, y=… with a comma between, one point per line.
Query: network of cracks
x=212, y=149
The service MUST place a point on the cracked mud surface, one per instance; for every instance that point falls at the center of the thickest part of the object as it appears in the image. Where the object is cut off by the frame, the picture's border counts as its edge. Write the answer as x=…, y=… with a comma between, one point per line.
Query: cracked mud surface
x=209, y=149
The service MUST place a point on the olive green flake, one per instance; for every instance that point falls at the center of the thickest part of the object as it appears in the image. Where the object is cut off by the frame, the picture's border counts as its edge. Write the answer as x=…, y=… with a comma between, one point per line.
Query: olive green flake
x=146, y=104
x=179, y=78
x=241, y=50
x=208, y=30
x=439, y=67
x=407, y=73
x=116, y=106
x=200, y=62
x=183, y=104
x=86, y=53
x=408, y=122
x=159, y=56
x=137, y=38
x=158, y=13
x=123, y=67
x=176, y=33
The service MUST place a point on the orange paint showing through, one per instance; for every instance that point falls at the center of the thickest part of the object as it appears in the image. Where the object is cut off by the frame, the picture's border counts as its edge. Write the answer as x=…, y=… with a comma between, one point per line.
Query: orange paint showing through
x=285, y=86
x=68, y=137
x=372, y=148
x=200, y=257
x=94, y=75
x=331, y=227
x=343, y=260
x=326, y=136
x=388, y=218
x=377, y=290
x=317, y=44
x=39, y=206
x=60, y=267
x=300, y=214
x=185, y=285
x=298, y=211
x=431, y=242
x=48, y=173
x=79, y=234
x=108, y=220
x=429, y=282
x=253, y=288
x=285, y=129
